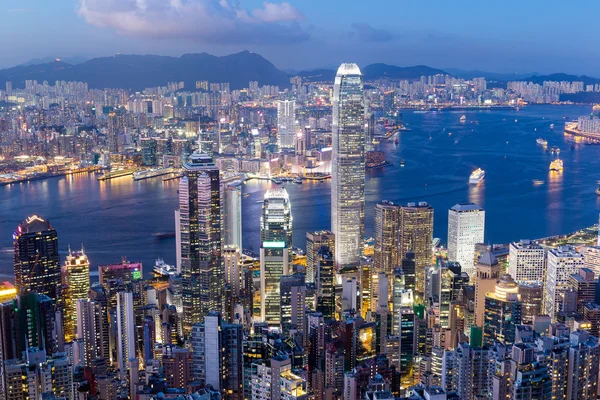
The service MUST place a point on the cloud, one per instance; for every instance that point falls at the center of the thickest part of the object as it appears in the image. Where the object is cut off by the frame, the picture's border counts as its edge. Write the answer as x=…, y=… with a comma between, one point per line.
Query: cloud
x=367, y=33
x=207, y=21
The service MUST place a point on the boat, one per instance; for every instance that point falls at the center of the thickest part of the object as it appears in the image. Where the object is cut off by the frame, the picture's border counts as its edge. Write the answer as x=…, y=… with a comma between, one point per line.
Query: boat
x=151, y=173
x=477, y=176
x=538, y=182
x=598, y=191
x=402, y=162
x=298, y=180
x=449, y=133
x=163, y=269
x=554, y=150
x=396, y=141
x=463, y=118
x=542, y=141
x=551, y=127
x=556, y=165
x=163, y=235
x=246, y=194
x=516, y=120
x=277, y=181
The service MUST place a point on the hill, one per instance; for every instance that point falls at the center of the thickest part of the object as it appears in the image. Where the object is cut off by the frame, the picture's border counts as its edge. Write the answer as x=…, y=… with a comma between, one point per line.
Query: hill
x=137, y=72
x=561, y=77
x=375, y=71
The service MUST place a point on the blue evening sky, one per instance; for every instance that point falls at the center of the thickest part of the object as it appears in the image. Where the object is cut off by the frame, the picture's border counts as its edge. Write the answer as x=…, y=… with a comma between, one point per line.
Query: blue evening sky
x=500, y=36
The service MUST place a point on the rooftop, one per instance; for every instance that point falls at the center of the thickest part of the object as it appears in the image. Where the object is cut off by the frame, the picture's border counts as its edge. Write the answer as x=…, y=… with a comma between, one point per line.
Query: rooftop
x=465, y=207
x=348, y=69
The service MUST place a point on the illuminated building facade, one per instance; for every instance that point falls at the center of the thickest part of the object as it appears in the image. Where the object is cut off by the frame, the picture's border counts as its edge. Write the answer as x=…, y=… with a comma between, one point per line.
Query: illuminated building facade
x=561, y=263
x=200, y=239
x=348, y=166
x=314, y=242
x=36, y=259
x=232, y=216
x=286, y=122
x=466, y=224
x=526, y=262
x=415, y=234
x=502, y=312
x=275, y=251
x=385, y=252
x=76, y=281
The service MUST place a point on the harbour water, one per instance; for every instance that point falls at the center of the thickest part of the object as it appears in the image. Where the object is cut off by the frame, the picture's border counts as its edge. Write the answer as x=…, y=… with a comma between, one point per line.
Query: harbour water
x=119, y=217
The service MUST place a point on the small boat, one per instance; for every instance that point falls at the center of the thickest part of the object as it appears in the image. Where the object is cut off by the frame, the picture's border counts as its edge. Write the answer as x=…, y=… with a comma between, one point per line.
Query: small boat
x=396, y=141
x=463, y=118
x=449, y=133
x=538, y=182
x=163, y=235
x=551, y=127
x=402, y=162
x=556, y=165
x=535, y=129
x=246, y=194
x=516, y=120
x=277, y=181
x=542, y=141
x=298, y=180
x=555, y=150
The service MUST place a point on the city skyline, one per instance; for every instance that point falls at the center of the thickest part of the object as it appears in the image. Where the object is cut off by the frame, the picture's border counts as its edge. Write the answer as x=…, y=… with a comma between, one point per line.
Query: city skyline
x=285, y=32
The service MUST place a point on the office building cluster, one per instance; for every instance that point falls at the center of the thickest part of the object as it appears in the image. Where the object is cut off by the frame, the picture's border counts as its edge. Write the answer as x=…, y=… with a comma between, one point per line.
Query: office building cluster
x=401, y=318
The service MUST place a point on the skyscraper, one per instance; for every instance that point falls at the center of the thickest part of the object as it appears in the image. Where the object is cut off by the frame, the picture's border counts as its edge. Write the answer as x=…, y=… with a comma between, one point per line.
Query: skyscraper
x=385, y=252
x=314, y=242
x=76, y=281
x=466, y=224
x=286, y=121
x=348, y=166
x=200, y=238
x=526, y=262
x=275, y=251
x=125, y=332
x=90, y=329
x=36, y=259
x=502, y=312
x=416, y=235
x=232, y=216
x=561, y=263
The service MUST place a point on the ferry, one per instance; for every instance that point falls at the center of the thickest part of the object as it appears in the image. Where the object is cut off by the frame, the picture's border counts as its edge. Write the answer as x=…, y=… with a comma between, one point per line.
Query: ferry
x=463, y=118
x=556, y=165
x=298, y=180
x=555, y=150
x=151, y=173
x=542, y=141
x=477, y=176
x=163, y=269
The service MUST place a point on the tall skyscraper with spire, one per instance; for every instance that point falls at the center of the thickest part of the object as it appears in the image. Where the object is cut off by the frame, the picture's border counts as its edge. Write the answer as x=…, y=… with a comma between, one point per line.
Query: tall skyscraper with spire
x=275, y=251
x=348, y=166
x=36, y=259
x=200, y=239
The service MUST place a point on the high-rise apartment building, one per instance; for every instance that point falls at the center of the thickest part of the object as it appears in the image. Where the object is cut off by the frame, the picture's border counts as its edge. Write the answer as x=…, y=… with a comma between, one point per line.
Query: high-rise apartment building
x=286, y=123
x=200, y=238
x=502, y=312
x=348, y=166
x=526, y=262
x=76, y=284
x=466, y=224
x=275, y=251
x=90, y=329
x=36, y=259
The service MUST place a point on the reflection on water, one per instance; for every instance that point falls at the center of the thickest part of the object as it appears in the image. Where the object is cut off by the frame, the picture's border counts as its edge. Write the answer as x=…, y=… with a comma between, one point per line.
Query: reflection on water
x=477, y=194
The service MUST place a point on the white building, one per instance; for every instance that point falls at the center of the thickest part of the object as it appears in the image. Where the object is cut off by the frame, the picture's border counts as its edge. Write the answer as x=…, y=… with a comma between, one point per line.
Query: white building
x=526, y=262
x=286, y=123
x=561, y=263
x=348, y=166
x=466, y=225
x=125, y=331
x=591, y=258
x=232, y=216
